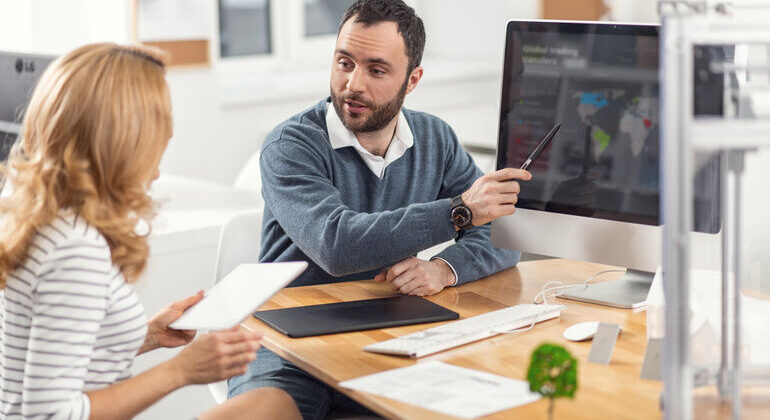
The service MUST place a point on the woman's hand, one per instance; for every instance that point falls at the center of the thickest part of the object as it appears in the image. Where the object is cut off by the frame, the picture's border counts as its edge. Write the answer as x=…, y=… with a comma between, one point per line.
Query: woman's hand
x=158, y=332
x=217, y=356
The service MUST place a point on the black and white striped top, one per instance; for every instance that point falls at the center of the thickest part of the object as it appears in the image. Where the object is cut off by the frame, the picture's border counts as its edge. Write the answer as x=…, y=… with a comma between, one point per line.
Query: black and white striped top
x=70, y=324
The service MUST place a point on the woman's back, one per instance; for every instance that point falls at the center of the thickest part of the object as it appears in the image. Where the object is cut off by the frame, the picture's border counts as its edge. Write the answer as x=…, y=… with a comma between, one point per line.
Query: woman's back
x=70, y=323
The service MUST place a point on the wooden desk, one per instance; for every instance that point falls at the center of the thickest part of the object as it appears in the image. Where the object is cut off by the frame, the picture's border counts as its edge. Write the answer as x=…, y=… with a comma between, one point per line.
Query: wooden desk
x=612, y=392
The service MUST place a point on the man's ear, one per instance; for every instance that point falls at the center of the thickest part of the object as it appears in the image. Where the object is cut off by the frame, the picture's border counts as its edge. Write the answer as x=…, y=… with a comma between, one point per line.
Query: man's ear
x=414, y=78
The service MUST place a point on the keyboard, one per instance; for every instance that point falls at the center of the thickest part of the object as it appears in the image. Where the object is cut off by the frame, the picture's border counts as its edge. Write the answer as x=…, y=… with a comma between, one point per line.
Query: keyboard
x=457, y=333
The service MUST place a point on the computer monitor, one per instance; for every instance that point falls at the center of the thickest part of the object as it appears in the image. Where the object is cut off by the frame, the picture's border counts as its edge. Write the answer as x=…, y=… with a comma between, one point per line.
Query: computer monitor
x=18, y=75
x=595, y=192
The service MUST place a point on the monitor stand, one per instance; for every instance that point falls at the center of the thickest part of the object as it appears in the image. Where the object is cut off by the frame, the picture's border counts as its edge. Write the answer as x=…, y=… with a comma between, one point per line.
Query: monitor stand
x=628, y=292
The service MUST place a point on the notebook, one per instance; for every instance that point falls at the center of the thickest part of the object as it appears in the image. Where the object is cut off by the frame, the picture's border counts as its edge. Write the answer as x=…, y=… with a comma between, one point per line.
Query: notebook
x=355, y=315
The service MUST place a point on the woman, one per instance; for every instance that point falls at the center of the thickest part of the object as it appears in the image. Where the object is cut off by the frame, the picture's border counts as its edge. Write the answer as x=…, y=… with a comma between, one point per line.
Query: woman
x=93, y=135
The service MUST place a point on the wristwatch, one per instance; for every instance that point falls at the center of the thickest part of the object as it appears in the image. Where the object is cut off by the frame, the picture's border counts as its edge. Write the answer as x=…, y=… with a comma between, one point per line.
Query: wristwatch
x=461, y=216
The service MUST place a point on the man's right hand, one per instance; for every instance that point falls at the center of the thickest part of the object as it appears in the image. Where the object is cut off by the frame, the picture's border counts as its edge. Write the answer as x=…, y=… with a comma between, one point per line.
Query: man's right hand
x=494, y=195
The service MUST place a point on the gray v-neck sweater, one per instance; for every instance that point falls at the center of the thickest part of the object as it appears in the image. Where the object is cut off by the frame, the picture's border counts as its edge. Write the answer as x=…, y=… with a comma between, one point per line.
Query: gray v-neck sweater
x=326, y=207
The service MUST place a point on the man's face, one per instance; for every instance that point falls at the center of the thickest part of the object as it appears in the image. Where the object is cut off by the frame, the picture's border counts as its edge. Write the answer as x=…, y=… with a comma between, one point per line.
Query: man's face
x=368, y=79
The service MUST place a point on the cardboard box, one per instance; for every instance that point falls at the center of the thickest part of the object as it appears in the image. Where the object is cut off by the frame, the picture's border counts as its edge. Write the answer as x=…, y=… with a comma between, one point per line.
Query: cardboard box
x=574, y=9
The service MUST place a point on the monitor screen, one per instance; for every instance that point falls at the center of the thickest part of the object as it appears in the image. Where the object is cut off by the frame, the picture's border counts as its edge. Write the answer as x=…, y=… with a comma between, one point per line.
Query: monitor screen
x=18, y=75
x=8, y=134
x=600, y=82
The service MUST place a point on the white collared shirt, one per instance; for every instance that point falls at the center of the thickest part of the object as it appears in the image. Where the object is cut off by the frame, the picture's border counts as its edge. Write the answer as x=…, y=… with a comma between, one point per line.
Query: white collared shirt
x=340, y=137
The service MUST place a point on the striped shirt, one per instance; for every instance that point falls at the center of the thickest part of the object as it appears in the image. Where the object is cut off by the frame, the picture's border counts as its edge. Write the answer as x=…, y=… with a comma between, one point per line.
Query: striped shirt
x=70, y=323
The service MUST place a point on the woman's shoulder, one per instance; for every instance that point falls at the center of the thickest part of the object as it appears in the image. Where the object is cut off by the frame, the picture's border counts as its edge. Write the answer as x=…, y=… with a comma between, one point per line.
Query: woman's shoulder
x=72, y=227
x=69, y=240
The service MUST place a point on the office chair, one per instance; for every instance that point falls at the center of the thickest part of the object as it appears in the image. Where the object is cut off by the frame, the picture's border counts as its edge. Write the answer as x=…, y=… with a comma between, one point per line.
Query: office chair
x=249, y=178
x=239, y=243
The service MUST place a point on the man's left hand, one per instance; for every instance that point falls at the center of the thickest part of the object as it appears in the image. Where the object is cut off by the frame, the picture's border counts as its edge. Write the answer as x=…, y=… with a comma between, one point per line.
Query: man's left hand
x=418, y=277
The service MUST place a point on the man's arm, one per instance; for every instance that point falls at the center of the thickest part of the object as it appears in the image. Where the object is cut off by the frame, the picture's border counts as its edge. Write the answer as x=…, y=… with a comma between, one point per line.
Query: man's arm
x=473, y=256
x=341, y=241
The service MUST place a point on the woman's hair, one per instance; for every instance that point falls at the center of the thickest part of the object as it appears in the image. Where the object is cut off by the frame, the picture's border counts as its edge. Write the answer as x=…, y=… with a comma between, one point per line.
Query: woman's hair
x=93, y=135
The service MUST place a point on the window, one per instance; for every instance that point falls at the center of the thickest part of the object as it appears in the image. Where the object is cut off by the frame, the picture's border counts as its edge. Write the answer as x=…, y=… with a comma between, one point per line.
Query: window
x=282, y=35
x=244, y=27
x=322, y=17
x=282, y=29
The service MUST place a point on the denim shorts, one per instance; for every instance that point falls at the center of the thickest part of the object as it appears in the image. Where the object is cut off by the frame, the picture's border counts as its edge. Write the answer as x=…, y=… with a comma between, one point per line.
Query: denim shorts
x=314, y=399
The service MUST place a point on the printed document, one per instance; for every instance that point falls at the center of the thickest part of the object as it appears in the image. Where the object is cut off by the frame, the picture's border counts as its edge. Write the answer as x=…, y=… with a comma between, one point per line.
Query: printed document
x=447, y=389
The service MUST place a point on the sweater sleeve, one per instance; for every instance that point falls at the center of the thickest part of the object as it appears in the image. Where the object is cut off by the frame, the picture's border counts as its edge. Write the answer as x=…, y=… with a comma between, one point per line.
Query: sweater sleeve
x=69, y=304
x=342, y=241
x=473, y=256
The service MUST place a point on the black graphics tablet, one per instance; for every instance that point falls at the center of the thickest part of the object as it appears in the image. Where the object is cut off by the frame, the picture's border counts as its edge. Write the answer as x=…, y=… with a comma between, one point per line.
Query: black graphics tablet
x=356, y=315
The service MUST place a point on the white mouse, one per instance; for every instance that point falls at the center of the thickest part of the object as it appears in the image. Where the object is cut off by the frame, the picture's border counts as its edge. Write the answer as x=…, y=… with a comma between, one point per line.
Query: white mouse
x=582, y=331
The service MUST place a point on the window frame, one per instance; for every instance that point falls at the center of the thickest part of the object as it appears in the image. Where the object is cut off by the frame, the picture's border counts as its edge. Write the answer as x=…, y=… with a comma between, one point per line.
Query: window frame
x=290, y=46
x=282, y=71
x=248, y=62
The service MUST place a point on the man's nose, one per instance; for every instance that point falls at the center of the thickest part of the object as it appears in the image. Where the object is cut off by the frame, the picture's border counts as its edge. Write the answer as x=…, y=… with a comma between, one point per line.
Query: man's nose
x=356, y=80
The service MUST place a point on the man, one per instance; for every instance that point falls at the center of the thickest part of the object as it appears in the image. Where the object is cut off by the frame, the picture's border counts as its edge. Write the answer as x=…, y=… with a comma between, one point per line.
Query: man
x=357, y=186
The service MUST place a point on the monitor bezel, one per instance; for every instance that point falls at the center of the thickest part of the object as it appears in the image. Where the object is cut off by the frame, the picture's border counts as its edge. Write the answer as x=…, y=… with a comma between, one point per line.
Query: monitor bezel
x=570, y=27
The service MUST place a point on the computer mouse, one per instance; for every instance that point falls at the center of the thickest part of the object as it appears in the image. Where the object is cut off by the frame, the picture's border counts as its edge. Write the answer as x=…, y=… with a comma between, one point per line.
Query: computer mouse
x=582, y=331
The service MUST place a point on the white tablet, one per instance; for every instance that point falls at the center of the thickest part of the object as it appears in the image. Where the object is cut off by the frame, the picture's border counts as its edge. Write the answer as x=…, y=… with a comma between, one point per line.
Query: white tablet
x=237, y=295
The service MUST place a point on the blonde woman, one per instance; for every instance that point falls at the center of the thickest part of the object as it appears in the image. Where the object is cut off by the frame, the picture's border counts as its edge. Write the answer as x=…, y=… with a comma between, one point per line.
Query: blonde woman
x=93, y=135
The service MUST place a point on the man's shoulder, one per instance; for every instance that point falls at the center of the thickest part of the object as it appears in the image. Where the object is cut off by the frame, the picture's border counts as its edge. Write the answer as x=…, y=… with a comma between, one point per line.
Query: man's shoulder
x=307, y=128
x=422, y=118
x=430, y=127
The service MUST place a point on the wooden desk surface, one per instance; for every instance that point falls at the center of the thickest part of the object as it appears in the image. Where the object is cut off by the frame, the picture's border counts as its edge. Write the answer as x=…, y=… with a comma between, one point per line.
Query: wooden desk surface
x=614, y=391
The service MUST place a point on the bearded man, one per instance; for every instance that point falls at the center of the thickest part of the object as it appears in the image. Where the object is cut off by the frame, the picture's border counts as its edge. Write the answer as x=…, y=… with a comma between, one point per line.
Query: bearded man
x=357, y=185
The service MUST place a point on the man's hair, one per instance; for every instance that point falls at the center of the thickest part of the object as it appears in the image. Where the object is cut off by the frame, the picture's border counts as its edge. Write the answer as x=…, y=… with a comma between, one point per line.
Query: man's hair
x=370, y=12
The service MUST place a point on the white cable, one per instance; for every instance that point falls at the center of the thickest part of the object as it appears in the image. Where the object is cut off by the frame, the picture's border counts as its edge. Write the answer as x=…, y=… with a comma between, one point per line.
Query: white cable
x=559, y=290
x=543, y=295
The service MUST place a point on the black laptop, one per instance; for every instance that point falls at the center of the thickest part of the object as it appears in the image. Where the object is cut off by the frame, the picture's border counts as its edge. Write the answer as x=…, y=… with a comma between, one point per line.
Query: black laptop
x=356, y=315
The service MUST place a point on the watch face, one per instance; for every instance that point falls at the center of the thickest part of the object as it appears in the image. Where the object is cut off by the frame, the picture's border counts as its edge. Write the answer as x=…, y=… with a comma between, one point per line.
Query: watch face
x=461, y=216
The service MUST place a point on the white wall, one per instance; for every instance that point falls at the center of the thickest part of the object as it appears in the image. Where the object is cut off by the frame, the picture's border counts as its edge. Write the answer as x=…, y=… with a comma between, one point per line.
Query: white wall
x=459, y=31
x=16, y=26
x=222, y=116
x=633, y=10
x=55, y=26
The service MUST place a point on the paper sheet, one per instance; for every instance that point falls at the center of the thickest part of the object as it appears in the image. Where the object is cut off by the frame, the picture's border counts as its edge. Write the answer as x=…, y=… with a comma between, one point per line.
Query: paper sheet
x=447, y=389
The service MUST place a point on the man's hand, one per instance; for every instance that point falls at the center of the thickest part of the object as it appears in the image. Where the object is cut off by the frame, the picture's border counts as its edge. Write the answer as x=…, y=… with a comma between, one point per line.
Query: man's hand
x=494, y=194
x=418, y=277
x=158, y=332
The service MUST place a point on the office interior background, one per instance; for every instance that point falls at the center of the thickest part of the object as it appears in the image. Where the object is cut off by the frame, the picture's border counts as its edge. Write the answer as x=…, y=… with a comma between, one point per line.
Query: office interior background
x=269, y=59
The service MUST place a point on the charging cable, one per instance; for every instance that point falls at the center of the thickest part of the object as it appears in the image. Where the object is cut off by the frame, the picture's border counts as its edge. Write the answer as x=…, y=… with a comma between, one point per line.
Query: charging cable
x=553, y=289
x=557, y=288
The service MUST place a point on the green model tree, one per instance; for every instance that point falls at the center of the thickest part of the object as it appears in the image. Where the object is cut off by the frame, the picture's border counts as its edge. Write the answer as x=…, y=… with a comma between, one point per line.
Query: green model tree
x=552, y=373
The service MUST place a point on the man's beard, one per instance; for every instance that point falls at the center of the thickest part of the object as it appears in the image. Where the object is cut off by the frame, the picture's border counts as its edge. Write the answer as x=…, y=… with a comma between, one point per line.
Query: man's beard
x=380, y=116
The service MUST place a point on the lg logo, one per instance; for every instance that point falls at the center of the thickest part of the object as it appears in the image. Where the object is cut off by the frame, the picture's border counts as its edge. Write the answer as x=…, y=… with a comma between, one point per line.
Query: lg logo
x=24, y=66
